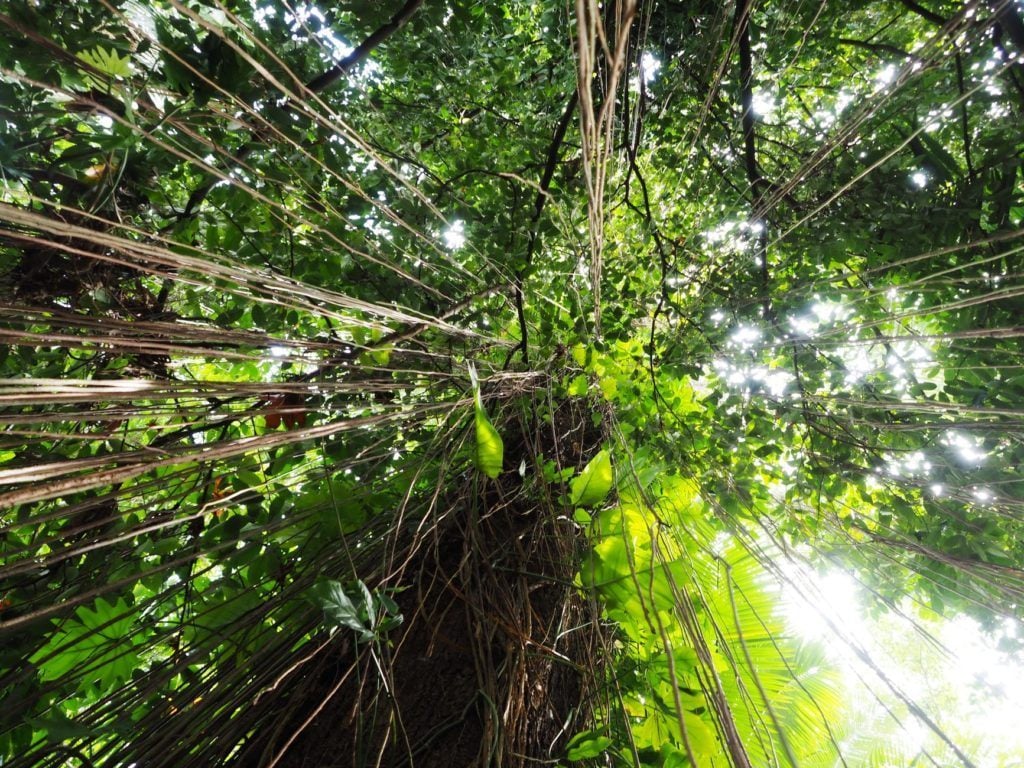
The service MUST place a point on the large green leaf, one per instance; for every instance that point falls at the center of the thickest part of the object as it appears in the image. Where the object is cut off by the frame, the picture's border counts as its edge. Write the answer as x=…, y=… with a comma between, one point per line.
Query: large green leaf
x=587, y=745
x=490, y=450
x=592, y=485
x=98, y=645
x=107, y=61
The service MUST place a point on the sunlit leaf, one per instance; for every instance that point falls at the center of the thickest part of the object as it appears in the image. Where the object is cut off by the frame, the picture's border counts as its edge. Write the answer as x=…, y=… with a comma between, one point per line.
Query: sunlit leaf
x=490, y=450
x=97, y=643
x=586, y=745
x=593, y=484
x=107, y=61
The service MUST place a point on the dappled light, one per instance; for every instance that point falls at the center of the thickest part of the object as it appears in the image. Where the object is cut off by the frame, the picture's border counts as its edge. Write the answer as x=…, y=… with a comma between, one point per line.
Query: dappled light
x=511, y=383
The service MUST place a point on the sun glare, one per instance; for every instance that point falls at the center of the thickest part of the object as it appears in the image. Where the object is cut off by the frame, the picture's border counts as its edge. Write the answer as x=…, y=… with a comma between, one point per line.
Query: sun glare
x=960, y=675
x=455, y=235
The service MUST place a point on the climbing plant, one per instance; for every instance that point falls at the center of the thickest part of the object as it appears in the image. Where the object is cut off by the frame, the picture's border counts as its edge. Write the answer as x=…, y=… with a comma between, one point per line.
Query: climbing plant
x=453, y=383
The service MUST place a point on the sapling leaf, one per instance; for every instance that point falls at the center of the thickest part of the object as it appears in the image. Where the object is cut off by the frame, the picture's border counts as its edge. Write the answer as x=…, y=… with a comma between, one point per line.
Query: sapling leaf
x=490, y=451
x=595, y=481
x=586, y=745
x=339, y=608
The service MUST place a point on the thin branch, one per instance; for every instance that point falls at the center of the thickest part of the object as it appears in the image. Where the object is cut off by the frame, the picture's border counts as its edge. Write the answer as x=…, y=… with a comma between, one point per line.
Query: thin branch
x=317, y=84
x=923, y=12
x=538, y=208
x=965, y=125
x=874, y=47
x=757, y=182
x=343, y=67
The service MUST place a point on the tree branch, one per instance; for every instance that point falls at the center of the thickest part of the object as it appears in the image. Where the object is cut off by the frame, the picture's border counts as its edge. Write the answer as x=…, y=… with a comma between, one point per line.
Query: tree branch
x=1010, y=19
x=335, y=73
x=538, y=208
x=874, y=47
x=965, y=124
x=757, y=182
x=923, y=12
x=317, y=84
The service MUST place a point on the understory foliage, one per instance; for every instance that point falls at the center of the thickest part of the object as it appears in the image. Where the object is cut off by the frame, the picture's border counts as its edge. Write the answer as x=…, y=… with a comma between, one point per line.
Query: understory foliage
x=470, y=383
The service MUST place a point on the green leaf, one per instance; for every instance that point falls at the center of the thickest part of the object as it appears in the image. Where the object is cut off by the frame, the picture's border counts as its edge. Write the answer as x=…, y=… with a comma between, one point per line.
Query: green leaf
x=594, y=482
x=59, y=728
x=340, y=608
x=100, y=639
x=107, y=61
x=490, y=450
x=368, y=615
x=581, y=355
x=578, y=386
x=586, y=745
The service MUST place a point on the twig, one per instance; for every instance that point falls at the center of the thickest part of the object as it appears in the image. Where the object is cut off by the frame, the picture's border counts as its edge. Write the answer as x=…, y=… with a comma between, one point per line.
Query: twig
x=317, y=84
x=538, y=209
x=757, y=183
